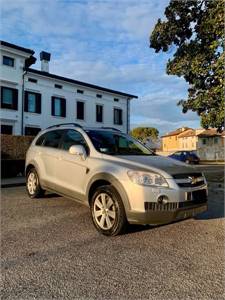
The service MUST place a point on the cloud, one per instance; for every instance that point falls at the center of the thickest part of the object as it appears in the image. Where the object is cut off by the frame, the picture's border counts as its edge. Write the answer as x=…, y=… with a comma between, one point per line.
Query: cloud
x=106, y=43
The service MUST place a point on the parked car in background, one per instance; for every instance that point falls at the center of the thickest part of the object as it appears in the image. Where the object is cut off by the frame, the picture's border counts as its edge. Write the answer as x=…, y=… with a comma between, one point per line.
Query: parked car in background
x=116, y=176
x=188, y=157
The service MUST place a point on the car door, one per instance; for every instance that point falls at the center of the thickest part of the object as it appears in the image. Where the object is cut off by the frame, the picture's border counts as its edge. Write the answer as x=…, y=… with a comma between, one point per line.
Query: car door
x=176, y=155
x=72, y=169
x=47, y=157
x=190, y=157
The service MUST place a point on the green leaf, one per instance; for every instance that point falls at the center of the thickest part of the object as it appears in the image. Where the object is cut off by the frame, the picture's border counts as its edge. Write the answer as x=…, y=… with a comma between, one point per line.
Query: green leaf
x=196, y=29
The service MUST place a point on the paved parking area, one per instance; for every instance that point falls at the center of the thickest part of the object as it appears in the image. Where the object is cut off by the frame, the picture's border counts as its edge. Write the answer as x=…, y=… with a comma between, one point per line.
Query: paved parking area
x=50, y=249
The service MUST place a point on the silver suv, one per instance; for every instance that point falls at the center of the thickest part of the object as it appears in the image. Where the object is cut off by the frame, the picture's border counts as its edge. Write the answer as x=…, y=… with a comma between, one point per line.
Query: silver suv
x=116, y=176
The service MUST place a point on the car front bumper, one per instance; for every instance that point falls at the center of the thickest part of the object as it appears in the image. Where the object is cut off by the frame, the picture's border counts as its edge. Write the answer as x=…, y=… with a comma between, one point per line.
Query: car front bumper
x=164, y=217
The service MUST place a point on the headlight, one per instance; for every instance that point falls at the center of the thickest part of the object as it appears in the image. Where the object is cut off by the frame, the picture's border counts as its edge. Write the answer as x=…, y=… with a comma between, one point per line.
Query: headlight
x=142, y=178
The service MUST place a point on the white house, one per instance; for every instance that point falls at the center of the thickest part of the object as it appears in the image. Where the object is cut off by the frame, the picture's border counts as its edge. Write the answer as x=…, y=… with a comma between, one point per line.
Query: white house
x=32, y=100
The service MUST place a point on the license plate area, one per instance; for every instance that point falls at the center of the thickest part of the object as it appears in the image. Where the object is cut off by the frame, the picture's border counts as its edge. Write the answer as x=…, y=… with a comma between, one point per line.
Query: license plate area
x=196, y=197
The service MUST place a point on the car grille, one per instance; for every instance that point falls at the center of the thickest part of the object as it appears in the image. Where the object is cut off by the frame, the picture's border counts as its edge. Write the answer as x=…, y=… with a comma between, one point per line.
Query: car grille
x=161, y=207
x=189, y=180
x=197, y=197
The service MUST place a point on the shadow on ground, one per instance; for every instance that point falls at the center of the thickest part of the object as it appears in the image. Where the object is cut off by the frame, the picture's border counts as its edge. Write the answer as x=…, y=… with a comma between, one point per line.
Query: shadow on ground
x=215, y=211
x=51, y=195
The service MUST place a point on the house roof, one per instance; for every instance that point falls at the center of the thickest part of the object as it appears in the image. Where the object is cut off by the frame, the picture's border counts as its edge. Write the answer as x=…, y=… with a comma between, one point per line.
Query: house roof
x=176, y=132
x=70, y=80
x=187, y=133
x=9, y=45
x=210, y=133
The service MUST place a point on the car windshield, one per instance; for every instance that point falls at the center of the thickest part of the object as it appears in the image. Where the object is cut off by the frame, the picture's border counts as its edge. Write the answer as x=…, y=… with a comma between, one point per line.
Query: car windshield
x=116, y=143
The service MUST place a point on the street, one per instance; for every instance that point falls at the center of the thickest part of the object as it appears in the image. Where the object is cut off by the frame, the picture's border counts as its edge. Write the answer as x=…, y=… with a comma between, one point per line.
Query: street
x=50, y=249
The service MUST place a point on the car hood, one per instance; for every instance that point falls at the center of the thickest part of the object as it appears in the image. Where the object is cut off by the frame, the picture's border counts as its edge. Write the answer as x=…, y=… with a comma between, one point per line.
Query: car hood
x=168, y=165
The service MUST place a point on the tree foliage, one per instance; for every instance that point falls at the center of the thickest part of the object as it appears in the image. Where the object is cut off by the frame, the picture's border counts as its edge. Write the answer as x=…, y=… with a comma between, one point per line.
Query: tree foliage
x=195, y=29
x=142, y=133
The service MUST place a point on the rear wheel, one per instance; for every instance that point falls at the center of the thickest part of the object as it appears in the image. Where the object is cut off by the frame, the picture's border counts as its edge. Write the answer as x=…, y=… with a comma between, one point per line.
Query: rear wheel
x=107, y=211
x=34, y=189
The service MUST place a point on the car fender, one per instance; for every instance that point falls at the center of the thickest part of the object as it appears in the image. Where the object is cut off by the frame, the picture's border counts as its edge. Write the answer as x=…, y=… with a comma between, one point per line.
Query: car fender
x=115, y=182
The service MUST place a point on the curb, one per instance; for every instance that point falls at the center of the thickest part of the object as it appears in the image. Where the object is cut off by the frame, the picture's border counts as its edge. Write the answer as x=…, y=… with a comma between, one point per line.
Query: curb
x=211, y=163
x=8, y=185
x=13, y=182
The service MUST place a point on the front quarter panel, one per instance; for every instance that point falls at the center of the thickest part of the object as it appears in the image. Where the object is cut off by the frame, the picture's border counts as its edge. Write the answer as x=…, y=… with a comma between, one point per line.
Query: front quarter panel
x=111, y=172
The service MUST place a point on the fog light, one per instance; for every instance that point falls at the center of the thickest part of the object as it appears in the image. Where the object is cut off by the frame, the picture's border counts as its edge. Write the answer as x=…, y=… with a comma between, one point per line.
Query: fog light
x=162, y=199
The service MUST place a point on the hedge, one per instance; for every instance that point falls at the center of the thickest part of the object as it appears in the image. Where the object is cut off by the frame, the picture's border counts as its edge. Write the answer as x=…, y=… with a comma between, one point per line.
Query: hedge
x=14, y=146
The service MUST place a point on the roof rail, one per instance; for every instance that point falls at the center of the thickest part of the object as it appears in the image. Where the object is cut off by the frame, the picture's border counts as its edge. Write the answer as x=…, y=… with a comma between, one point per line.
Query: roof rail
x=65, y=124
x=112, y=128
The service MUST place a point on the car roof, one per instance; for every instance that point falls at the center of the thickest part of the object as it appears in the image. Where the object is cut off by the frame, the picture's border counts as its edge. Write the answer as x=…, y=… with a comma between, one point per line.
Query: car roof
x=178, y=151
x=78, y=126
x=101, y=129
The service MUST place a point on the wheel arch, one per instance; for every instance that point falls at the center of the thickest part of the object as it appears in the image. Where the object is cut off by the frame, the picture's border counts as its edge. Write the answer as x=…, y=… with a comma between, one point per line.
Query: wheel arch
x=31, y=165
x=107, y=179
x=28, y=168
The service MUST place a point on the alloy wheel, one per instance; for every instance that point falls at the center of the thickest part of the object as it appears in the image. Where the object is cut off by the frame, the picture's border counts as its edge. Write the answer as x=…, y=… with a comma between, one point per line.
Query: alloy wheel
x=32, y=182
x=104, y=211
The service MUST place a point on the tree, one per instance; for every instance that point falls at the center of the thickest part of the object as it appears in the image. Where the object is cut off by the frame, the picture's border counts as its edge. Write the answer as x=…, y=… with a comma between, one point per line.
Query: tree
x=194, y=29
x=142, y=133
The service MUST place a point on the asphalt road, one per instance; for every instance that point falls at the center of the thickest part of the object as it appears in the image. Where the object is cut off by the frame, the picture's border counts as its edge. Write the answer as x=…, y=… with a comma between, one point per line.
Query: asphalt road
x=50, y=250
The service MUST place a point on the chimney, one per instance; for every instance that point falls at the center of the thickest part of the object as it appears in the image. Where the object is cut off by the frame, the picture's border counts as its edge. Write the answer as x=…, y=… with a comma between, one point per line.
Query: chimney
x=45, y=58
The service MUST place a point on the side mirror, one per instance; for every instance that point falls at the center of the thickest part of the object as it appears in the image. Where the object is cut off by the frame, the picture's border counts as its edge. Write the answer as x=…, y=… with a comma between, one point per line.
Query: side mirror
x=78, y=150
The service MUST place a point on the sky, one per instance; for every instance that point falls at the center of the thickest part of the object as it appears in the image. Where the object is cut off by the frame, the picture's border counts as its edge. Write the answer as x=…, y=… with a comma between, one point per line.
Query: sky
x=104, y=42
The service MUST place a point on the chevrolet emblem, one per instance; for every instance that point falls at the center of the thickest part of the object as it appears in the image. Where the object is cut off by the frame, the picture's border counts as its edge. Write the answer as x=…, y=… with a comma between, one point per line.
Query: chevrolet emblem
x=193, y=180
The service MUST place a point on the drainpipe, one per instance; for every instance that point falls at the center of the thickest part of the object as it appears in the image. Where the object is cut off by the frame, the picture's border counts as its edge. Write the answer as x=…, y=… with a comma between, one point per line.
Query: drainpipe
x=22, y=106
x=128, y=115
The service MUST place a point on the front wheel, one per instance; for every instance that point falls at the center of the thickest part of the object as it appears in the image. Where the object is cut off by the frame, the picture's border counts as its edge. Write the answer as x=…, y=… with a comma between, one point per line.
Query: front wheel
x=107, y=210
x=33, y=186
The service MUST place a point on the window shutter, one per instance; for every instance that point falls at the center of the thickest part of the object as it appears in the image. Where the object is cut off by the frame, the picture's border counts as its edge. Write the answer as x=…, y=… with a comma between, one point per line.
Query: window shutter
x=80, y=110
x=53, y=106
x=1, y=96
x=63, y=108
x=99, y=113
x=120, y=117
x=26, y=101
x=15, y=99
x=115, y=116
x=38, y=103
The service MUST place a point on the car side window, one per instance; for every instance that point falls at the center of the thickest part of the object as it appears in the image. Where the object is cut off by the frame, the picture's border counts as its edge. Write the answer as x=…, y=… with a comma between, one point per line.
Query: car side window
x=73, y=137
x=52, y=138
x=40, y=140
x=177, y=153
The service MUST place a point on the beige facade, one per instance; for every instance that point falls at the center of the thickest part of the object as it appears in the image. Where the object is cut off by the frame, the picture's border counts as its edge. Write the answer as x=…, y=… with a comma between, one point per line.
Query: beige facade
x=188, y=140
x=209, y=144
x=170, y=141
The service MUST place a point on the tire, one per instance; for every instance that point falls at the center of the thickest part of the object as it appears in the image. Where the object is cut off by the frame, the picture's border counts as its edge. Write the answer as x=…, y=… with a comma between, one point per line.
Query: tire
x=33, y=186
x=107, y=211
x=187, y=161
